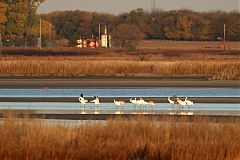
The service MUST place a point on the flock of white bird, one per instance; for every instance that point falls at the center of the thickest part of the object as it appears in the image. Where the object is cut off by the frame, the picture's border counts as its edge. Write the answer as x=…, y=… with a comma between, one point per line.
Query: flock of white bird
x=138, y=102
x=179, y=103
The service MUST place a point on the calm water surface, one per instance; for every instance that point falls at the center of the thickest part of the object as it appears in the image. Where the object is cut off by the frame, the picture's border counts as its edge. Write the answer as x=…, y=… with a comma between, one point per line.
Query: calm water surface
x=123, y=92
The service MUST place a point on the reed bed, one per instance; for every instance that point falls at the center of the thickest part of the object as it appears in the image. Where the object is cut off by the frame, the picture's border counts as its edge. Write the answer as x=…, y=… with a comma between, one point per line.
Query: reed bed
x=135, y=138
x=215, y=63
x=221, y=70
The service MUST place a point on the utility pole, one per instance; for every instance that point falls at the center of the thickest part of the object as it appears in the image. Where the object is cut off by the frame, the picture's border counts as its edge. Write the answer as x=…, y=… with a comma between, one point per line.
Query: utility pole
x=40, y=35
x=224, y=36
x=0, y=43
x=153, y=5
x=239, y=6
x=99, y=34
x=0, y=39
x=50, y=34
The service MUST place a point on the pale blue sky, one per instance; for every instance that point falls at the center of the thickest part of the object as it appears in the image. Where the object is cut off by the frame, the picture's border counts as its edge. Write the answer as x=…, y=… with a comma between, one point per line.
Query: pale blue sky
x=119, y=6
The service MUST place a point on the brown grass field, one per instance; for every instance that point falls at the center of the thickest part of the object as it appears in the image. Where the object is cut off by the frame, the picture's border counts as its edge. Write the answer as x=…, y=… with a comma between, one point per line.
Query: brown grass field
x=174, y=59
x=120, y=139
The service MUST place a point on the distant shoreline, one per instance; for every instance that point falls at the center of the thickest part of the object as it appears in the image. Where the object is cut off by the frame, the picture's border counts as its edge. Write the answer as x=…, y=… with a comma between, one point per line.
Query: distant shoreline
x=111, y=83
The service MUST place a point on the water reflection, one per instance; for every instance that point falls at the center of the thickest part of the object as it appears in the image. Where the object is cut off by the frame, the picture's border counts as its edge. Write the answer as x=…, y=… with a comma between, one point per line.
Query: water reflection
x=109, y=106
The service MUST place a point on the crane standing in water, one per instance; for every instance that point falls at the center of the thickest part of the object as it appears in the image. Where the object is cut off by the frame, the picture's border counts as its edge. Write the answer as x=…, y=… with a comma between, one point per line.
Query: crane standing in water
x=119, y=103
x=96, y=101
x=83, y=101
x=134, y=102
x=188, y=103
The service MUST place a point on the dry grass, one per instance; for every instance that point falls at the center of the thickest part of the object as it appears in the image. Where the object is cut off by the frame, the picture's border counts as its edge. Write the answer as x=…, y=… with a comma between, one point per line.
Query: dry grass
x=75, y=62
x=138, y=138
x=187, y=45
x=223, y=70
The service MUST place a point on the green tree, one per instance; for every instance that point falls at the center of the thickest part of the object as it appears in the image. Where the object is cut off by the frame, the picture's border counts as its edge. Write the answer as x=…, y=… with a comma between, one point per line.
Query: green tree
x=169, y=27
x=201, y=29
x=47, y=29
x=73, y=40
x=68, y=29
x=138, y=17
x=16, y=19
x=21, y=17
x=233, y=26
x=183, y=26
x=3, y=17
x=217, y=19
x=155, y=21
x=177, y=26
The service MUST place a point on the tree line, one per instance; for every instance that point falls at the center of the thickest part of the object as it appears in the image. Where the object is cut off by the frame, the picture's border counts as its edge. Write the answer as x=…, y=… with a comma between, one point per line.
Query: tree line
x=170, y=25
x=19, y=21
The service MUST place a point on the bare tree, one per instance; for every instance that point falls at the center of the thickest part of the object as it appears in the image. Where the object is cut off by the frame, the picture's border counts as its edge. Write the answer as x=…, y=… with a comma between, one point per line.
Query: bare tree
x=127, y=36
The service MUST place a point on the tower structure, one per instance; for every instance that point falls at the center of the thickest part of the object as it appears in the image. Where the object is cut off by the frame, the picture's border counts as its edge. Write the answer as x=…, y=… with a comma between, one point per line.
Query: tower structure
x=153, y=5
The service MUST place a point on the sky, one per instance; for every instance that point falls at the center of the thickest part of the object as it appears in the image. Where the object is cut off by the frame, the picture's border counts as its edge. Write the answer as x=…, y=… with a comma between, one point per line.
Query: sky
x=120, y=6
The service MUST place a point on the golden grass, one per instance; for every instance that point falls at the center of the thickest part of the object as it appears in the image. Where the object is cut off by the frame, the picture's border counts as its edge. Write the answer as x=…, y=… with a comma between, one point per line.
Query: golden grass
x=137, y=138
x=223, y=70
x=221, y=66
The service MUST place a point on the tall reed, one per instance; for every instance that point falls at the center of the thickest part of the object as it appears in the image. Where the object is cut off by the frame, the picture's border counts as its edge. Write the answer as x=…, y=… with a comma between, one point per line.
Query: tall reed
x=223, y=70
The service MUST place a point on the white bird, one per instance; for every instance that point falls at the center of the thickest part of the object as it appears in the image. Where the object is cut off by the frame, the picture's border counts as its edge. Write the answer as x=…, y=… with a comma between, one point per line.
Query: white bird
x=134, y=102
x=142, y=102
x=138, y=102
x=82, y=100
x=188, y=102
x=181, y=103
x=119, y=103
x=171, y=102
x=96, y=101
x=151, y=104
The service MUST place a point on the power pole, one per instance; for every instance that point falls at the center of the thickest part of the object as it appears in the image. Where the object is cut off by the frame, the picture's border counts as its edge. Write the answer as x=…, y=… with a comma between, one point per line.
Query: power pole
x=0, y=39
x=153, y=5
x=0, y=43
x=99, y=34
x=40, y=35
x=50, y=35
x=239, y=6
x=224, y=36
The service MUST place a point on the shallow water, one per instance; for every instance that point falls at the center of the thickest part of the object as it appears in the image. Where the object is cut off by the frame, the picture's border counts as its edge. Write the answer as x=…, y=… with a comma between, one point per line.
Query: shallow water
x=123, y=92
x=108, y=106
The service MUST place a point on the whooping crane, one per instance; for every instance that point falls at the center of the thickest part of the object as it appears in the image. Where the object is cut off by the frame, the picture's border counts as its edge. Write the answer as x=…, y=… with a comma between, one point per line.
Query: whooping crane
x=172, y=102
x=181, y=103
x=188, y=102
x=96, y=101
x=134, y=102
x=82, y=100
x=119, y=103
x=142, y=102
x=151, y=104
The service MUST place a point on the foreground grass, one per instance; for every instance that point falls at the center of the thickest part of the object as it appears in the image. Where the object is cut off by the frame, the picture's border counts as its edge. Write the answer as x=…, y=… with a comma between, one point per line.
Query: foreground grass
x=138, y=138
